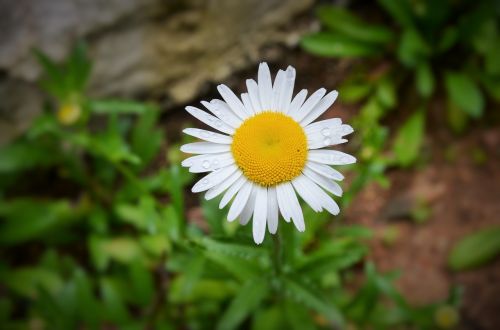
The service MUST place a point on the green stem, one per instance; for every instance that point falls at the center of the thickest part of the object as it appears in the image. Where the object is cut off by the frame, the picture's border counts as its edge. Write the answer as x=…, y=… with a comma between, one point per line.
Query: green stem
x=277, y=253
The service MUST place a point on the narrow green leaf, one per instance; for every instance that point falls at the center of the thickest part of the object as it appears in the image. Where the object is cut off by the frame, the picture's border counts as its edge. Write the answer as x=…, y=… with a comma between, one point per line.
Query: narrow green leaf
x=146, y=139
x=115, y=308
x=400, y=10
x=465, y=93
x=354, y=92
x=409, y=139
x=249, y=297
x=118, y=107
x=307, y=295
x=298, y=317
x=425, y=80
x=386, y=92
x=475, y=249
x=28, y=219
x=333, y=45
x=342, y=21
x=413, y=49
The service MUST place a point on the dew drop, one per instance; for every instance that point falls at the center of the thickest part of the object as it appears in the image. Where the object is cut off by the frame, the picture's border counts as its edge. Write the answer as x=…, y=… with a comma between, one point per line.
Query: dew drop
x=325, y=131
x=327, y=141
x=205, y=164
x=215, y=162
x=205, y=181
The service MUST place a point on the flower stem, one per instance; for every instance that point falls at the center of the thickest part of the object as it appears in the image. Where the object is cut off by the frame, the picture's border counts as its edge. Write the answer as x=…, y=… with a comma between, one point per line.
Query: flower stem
x=277, y=253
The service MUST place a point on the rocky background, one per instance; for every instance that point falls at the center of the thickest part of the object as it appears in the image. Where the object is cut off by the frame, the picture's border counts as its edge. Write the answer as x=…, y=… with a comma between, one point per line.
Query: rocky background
x=163, y=49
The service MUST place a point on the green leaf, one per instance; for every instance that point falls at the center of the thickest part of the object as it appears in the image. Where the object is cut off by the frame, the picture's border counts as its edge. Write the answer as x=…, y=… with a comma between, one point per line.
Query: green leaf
x=115, y=308
x=141, y=283
x=475, y=249
x=108, y=107
x=457, y=119
x=409, y=139
x=386, y=92
x=25, y=155
x=307, y=295
x=298, y=317
x=334, y=45
x=146, y=139
x=465, y=93
x=400, y=10
x=425, y=80
x=27, y=219
x=53, y=82
x=269, y=318
x=342, y=21
x=78, y=67
x=412, y=49
x=213, y=215
x=26, y=281
x=354, y=92
x=249, y=297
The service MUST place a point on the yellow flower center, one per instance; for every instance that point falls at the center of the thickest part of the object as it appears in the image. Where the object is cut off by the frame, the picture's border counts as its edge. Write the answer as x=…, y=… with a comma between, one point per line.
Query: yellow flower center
x=270, y=148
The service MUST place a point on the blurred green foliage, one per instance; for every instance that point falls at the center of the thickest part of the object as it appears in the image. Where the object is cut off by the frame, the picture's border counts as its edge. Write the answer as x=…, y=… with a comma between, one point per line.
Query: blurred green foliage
x=94, y=235
x=420, y=55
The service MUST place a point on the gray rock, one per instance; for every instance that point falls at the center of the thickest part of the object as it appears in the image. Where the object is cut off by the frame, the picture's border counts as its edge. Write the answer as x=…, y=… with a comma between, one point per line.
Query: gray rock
x=139, y=47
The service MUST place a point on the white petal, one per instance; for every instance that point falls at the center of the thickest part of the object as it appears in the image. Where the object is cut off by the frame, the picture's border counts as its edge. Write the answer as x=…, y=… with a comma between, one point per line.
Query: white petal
x=239, y=201
x=205, y=148
x=279, y=85
x=325, y=170
x=253, y=93
x=330, y=186
x=218, y=189
x=208, y=136
x=222, y=111
x=233, y=101
x=326, y=133
x=301, y=185
x=272, y=210
x=286, y=95
x=332, y=128
x=297, y=102
x=317, y=141
x=320, y=196
x=247, y=212
x=283, y=204
x=214, y=178
x=328, y=126
x=320, y=108
x=210, y=120
x=208, y=163
x=331, y=157
x=247, y=103
x=265, y=87
x=232, y=191
x=260, y=215
x=294, y=207
x=309, y=105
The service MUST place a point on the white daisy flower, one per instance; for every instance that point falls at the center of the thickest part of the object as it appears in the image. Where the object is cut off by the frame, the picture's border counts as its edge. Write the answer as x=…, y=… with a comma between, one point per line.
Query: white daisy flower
x=268, y=149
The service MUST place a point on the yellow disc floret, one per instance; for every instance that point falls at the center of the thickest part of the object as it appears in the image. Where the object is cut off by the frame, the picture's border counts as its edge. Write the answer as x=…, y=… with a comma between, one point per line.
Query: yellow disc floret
x=270, y=148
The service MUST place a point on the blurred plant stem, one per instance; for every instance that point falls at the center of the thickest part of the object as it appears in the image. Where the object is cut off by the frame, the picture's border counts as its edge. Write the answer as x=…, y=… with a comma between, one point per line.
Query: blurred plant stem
x=277, y=254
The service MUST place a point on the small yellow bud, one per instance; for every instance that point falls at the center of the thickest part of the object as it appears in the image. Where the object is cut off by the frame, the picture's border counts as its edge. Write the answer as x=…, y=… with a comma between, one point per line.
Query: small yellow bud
x=69, y=113
x=446, y=317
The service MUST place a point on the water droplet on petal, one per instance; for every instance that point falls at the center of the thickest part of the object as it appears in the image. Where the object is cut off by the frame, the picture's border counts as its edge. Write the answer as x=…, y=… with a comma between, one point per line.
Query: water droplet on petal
x=205, y=164
x=205, y=181
x=327, y=141
x=325, y=131
x=215, y=162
